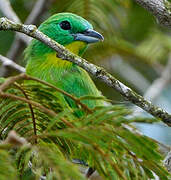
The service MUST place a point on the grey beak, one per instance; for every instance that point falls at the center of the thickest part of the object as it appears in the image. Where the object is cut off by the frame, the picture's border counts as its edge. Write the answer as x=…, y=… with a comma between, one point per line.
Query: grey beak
x=89, y=36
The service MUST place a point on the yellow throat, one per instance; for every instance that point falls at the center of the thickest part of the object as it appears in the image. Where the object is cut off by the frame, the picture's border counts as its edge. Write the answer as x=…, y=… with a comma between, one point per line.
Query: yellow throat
x=74, y=47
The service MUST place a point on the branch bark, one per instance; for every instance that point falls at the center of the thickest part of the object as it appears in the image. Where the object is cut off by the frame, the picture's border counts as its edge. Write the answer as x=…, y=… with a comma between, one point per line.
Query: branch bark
x=96, y=71
x=161, y=9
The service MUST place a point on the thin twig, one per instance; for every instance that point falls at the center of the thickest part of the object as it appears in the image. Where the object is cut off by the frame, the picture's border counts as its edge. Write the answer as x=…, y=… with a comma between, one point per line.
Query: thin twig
x=13, y=79
x=31, y=109
x=7, y=62
x=10, y=81
x=77, y=100
x=67, y=122
x=42, y=108
x=96, y=71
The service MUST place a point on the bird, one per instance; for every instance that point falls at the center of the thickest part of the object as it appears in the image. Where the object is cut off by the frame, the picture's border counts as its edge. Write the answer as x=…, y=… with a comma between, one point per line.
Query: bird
x=75, y=33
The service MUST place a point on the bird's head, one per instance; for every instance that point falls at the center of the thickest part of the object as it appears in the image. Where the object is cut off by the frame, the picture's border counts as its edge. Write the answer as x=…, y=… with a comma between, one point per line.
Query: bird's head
x=68, y=29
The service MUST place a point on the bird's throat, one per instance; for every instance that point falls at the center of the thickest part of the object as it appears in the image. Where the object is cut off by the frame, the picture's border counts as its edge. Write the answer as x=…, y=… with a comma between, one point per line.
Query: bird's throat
x=77, y=47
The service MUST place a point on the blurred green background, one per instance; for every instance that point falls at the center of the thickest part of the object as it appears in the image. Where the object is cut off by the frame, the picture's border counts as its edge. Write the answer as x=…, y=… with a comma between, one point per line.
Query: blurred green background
x=136, y=49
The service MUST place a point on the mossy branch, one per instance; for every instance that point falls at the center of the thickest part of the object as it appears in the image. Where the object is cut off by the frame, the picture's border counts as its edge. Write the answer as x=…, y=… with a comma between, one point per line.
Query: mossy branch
x=96, y=71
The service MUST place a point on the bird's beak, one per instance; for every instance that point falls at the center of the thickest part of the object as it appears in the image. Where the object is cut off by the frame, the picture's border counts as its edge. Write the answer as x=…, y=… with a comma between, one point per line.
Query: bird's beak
x=88, y=36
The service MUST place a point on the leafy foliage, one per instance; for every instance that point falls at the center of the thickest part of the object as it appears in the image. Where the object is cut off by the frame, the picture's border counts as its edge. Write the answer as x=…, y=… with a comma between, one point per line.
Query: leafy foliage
x=102, y=138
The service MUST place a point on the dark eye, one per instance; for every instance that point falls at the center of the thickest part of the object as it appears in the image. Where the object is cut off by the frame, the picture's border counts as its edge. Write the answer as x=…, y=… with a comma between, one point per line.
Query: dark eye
x=65, y=25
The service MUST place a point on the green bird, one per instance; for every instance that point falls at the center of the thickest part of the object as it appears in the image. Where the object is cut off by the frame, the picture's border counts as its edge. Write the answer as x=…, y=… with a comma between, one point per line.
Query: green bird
x=75, y=33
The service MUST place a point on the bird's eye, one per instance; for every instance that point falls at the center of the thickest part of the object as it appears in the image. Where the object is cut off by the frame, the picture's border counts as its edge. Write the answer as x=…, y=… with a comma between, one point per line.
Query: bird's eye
x=65, y=25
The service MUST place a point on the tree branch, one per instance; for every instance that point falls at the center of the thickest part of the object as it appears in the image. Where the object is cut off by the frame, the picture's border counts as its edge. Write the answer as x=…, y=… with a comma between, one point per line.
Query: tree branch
x=96, y=71
x=7, y=62
x=161, y=9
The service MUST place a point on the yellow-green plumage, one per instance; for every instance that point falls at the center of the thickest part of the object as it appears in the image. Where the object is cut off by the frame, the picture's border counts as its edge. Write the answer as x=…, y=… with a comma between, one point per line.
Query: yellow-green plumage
x=43, y=63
